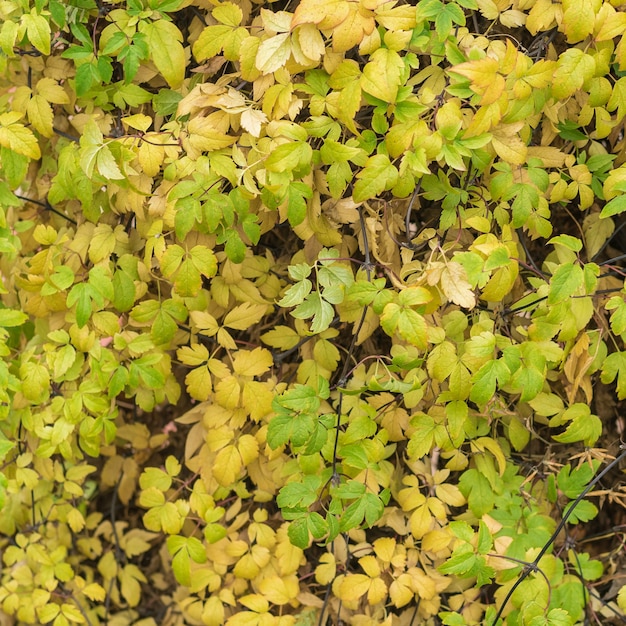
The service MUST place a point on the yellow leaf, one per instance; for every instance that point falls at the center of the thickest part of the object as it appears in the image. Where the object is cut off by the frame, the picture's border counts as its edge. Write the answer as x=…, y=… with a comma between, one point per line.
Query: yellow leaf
x=252, y=363
x=455, y=285
x=377, y=591
x=396, y=18
x=213, y=612
x=280, y=590
x=325, y=572
x=131, y=589
x=543, y=16
x=500, y=283
x=75, y=520
x=94, y=592
x=420, y=521
x=138, y=121
x=621, y=598
x=17, y=137
x=8, y=37
x=150, y=156
x=40, y=115
x=370, y=566
x=423, y=583
x=609, y=23
x=382, y=75
x=257, y=399
x=549, y=155
x=508, y=147
x=225, y=339
x=52, y=91
x=358, y=23
x=578, y=18
x=484, y=77
x=248, y=448
x=199, y=384
x=273, y=53
x=486, y=443
x=227, y=392
x=245, y=315
x=204, y=322
x=204, y=137
x=228, y=13
x=325, y=13
x=450, y=494
x=281, y=337
x=400, y=591
x=255, y=602
x=227, y=466
x=163, y=39
x=352, y=587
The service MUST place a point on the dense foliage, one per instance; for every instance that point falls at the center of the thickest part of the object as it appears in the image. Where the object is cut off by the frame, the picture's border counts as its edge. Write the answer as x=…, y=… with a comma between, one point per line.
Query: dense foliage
x=312, y=312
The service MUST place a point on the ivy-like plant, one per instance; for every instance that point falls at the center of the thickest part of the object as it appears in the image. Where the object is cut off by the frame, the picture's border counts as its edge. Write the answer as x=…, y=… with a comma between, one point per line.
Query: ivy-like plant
x=312, y=312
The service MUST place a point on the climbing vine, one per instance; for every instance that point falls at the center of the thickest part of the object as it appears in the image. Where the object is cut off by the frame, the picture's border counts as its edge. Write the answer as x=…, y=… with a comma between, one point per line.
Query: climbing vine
x=312, y=312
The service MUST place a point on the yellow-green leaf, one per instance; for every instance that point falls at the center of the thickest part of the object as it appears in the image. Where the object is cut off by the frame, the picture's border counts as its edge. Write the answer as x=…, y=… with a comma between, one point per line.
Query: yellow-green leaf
x=382, y=75
x=163, y=39
x=37, y=31
x=40, y=115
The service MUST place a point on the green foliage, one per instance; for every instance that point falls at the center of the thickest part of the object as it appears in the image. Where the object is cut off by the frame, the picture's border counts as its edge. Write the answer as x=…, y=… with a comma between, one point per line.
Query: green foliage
x=311, y=312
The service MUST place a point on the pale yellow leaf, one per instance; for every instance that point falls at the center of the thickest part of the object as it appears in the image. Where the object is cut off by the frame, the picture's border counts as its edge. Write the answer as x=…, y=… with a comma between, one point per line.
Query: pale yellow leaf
x=311, y=41
x=205, y=137
x=455, y=285
x=509, y=148
x=273, y=53
x=252, y=120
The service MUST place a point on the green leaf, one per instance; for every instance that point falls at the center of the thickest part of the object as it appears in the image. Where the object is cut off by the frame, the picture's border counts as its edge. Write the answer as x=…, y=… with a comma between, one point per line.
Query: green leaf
x=298, y=533
x=615, y=365
x=614, y=207
x=297, y=194
x=565, y=281
x=476, y=488
x=318, y=308
x=583, y=512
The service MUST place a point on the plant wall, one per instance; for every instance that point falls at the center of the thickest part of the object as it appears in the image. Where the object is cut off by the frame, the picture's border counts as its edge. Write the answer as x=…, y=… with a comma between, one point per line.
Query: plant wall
x=312, y=312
